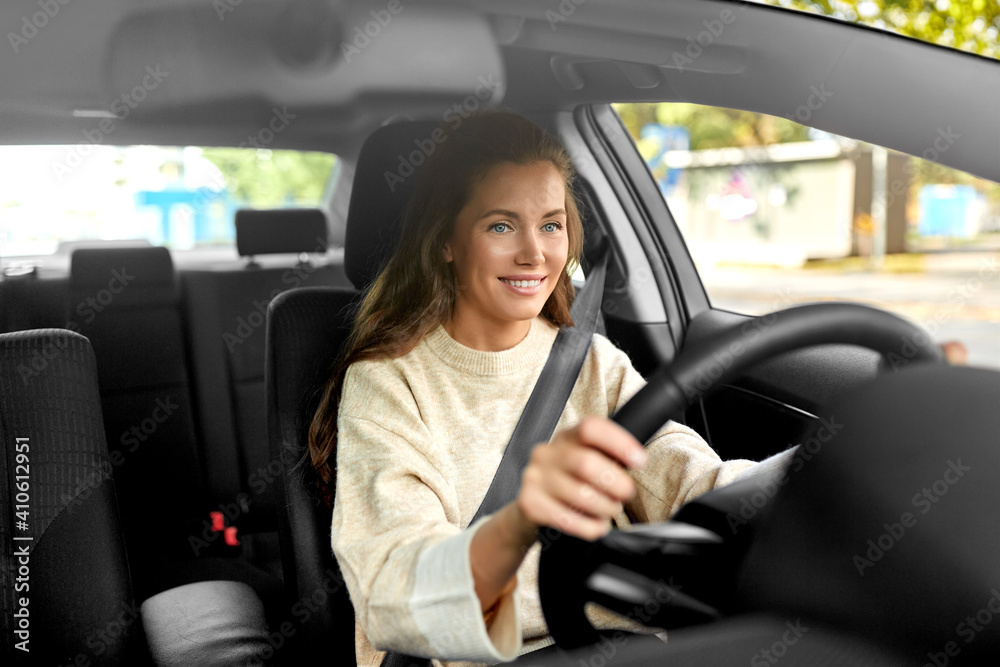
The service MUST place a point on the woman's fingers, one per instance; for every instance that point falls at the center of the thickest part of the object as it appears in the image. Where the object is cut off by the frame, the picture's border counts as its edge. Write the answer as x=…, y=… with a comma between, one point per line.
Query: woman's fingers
x=545, y=510
x=590, y=466
x=581, y=496
x=610, y=438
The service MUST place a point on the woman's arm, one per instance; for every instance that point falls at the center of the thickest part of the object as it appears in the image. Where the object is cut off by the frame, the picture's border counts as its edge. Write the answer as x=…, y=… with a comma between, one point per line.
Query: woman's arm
x=575, y=483
x=397, y=533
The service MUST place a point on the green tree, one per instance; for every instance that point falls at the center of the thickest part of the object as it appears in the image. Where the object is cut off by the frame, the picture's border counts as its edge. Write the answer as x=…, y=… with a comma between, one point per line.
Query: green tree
x=968, y=25
x=273, y=178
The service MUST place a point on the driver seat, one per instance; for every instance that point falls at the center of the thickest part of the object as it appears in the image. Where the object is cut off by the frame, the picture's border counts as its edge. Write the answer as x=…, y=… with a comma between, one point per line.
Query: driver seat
x=306, y=330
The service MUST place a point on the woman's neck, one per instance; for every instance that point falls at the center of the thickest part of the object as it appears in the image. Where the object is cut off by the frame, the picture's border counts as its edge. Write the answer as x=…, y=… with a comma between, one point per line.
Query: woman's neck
x=494, y=337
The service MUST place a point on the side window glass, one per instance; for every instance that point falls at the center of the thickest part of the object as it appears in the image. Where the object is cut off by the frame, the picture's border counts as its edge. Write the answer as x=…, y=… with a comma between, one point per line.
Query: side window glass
x=775, y=213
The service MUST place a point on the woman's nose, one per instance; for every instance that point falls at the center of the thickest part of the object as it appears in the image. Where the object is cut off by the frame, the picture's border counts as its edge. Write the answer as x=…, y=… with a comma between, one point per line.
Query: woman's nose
x=530, y=251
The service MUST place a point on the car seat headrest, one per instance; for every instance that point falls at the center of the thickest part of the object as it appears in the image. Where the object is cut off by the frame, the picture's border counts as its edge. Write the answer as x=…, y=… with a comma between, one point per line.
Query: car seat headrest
x=131, y=276
x=383, y=183
x=283, y=230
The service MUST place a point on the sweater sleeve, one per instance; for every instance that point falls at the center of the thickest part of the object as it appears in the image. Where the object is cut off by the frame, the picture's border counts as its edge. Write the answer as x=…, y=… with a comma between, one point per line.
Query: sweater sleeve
x=681, y=464
x=404, y=557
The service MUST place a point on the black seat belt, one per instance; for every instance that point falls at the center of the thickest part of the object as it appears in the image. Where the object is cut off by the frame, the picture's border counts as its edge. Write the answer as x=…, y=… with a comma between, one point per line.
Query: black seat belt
x=552, y=389
x=544, y=407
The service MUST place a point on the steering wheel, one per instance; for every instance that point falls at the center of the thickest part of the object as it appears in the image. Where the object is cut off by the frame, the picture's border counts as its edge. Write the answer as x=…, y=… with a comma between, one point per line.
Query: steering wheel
x=573, y=572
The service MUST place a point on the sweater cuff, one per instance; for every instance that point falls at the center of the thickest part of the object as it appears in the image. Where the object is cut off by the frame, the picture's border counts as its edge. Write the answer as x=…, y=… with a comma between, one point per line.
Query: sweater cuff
x=771, y=464
x=447, y=610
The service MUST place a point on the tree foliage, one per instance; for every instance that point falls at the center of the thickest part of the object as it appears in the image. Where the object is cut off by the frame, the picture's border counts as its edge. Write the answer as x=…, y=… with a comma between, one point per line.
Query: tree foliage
x=273, y=178
x=968, y=25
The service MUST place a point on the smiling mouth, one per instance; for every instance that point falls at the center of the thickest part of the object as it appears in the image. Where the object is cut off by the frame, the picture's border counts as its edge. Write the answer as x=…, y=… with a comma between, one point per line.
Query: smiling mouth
x=522, y=283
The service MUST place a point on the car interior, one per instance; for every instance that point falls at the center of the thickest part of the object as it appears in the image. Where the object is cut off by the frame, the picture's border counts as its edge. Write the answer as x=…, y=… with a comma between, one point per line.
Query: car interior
x=165, y=397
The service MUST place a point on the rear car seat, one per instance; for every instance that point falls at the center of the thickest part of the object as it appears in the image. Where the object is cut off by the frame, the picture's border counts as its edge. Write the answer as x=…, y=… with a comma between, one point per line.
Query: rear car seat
x=225, y=310
x=126, y=301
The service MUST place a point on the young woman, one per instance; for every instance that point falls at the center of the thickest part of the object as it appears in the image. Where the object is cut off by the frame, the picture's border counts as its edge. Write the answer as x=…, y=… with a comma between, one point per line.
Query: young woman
x=445, y=351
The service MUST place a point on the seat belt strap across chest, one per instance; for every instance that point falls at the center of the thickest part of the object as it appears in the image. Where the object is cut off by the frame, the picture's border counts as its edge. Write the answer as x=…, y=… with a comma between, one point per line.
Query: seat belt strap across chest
x=552, y=389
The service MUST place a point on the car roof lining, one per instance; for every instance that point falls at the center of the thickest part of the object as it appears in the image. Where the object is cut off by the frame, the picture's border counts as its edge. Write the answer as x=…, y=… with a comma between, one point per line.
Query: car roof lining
x=228, y=74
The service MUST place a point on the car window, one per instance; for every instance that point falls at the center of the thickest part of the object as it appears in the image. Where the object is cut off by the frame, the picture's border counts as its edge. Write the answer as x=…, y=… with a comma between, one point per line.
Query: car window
x=183, y=198
x=775, y=213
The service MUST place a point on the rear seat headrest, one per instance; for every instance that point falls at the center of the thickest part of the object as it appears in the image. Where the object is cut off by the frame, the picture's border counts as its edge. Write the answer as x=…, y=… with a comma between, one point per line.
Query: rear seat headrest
x=131, y=276
x=383, y=183
x=283, y=230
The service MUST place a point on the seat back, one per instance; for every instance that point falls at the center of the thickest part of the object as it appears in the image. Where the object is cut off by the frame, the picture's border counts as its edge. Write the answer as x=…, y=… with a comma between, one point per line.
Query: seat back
x=127, y=302
x=306, y=328
x=65, y=580
x=225, y=312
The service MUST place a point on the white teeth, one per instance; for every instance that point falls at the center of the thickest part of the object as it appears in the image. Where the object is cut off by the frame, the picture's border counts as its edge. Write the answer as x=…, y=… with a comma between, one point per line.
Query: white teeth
x=522, y=283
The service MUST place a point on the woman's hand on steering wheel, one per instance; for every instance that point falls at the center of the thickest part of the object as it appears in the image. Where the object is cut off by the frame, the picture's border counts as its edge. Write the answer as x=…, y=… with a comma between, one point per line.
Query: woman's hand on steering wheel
x=577, y=482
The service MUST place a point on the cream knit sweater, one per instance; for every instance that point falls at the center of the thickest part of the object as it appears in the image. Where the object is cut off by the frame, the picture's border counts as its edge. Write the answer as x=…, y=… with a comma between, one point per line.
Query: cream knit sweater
x=420, y=438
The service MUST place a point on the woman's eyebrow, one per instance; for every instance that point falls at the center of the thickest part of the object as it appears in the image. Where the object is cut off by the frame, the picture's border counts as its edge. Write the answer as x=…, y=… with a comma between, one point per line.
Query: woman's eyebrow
x=501, y=212
x=513, y=214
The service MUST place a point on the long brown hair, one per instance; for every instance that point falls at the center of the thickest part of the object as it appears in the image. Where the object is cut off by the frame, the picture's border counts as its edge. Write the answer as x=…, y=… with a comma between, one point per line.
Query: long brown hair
x=415, y=292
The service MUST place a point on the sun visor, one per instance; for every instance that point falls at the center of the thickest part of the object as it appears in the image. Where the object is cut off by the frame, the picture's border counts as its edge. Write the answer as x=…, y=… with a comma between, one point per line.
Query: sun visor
x=302, y=55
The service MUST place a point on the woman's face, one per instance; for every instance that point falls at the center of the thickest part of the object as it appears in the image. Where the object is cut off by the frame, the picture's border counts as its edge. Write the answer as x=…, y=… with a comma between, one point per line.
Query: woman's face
x=509, y=246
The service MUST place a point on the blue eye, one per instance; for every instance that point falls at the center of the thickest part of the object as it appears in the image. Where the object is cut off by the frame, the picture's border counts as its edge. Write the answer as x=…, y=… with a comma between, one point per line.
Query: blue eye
x=552, y=226
x=499, y=227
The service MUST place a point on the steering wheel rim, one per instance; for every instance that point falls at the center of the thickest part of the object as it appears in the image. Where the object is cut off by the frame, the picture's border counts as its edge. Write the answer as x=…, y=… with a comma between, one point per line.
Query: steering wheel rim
x=698, y=369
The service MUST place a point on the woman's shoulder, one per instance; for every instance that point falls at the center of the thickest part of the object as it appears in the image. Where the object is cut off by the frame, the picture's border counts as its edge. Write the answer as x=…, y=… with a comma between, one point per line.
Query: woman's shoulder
x=378, y=384
x=606, y=354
